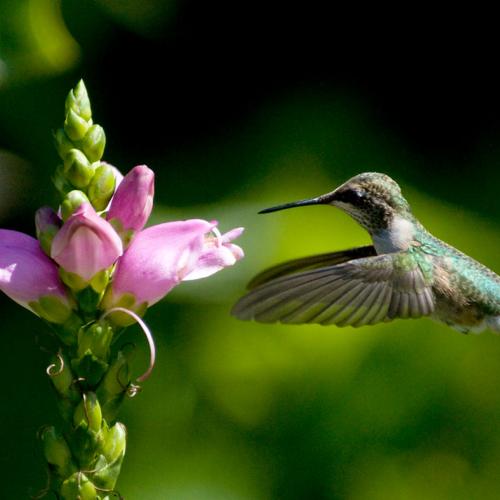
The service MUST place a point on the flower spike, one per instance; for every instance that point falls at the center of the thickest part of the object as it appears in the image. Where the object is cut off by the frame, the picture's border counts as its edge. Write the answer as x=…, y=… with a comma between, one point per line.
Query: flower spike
x=93, y=270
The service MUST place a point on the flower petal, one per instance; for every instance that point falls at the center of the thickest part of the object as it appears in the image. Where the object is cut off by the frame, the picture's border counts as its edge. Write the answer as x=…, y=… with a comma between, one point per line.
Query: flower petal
x=232, y=235
x=157, y=259
x=86, y=244
x=217, y=254
x=26, y=273
x=133, y=200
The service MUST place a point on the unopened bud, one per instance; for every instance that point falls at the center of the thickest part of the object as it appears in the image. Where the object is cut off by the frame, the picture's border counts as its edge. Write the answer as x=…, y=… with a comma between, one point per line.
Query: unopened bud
x=61, y=375
x=114, y=442
x=72, y=202
x=63, y=143
x=57, y=451
x=117, y=378
x=133, y=201
x=96, y=339
x=78, y=487
x=102, y=186
x=88, y=412
x=61, y=182
x=94, y=142
x=113, y=445
x=75, y=126
x=78, y=101
x=47, y=224
x=79, y=171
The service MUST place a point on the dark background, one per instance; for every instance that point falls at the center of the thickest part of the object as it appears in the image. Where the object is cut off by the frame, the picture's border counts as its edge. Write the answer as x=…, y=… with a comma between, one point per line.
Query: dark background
x=237, y=106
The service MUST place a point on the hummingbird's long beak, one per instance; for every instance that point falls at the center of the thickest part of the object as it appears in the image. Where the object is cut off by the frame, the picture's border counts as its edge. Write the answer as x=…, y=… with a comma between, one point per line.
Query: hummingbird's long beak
x=319, y=200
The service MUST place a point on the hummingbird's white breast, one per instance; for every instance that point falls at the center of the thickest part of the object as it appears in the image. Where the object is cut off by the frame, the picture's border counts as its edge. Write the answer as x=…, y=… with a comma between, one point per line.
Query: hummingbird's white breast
x=397, y=237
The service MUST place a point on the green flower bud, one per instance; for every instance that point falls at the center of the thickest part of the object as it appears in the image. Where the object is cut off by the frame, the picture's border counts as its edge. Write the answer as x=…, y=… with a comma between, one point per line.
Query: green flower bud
x=78, y=487
x=108, y=465
x=94, y=142
x=117, y=378
x=76, y=127
x=52, y=308
x=61, y=182
x=88, y=412
x=114, y=442
x=96, y=338
x=73, y=200
x=62, y=377
x=57, y=451
x=102, y=186
x=115, y=383
x=79, y=171
x=78, y=101
x=63, y=143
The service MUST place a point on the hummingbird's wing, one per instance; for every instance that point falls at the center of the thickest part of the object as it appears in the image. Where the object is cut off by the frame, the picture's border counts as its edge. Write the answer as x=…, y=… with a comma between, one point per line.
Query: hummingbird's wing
x=309, y=263
x=359, y=292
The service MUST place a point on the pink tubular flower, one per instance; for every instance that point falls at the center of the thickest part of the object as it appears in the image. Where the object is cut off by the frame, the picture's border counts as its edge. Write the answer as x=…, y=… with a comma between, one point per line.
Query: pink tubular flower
x=157, y=260
x=161, y=256
x=86, y=243
x=133, y=200
x=26, y=273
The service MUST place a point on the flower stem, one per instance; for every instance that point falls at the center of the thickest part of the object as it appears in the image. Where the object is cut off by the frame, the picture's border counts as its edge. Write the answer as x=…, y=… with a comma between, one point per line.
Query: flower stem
x=85, y=452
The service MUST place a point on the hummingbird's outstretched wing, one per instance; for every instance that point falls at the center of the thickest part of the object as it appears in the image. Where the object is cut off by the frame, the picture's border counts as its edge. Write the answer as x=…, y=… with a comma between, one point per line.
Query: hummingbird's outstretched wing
x=359, y=292
x=309, y=263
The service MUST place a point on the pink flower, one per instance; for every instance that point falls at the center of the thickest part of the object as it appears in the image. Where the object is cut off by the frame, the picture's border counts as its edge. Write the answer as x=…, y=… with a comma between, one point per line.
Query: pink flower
x=158, y=259
x=133, y=200
x=86, y=243
x=218, y=252
x=162, y=256
x=27, y=274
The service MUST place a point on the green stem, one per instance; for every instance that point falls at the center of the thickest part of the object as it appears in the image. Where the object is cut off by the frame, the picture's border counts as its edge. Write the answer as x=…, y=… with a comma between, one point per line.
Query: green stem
x=85, y=453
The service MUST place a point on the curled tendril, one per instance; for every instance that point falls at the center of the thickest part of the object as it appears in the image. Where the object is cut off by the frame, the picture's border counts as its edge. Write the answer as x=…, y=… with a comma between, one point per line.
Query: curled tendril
x=133, y=390
x=41, y=430
x=50, y=369
x=147, y=334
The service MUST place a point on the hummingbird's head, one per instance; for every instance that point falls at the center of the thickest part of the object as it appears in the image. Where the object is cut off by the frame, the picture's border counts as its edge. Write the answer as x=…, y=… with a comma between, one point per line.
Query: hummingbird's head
x=371, y=198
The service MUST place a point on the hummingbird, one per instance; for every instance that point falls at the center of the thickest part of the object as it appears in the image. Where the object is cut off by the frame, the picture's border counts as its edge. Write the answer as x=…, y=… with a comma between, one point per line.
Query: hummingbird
x=406, y=273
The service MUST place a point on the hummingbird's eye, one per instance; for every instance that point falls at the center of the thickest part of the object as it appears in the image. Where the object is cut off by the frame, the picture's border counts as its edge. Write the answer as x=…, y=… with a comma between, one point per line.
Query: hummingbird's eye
x=352, y=196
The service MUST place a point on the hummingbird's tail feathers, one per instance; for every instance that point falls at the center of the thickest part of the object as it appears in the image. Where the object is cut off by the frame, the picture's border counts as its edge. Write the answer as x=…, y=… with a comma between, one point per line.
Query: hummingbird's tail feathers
x=359, y=292
x=309, y=263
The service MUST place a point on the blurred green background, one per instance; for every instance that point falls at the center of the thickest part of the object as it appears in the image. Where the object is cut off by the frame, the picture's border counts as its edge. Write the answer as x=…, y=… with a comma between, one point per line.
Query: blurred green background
x=238, y=106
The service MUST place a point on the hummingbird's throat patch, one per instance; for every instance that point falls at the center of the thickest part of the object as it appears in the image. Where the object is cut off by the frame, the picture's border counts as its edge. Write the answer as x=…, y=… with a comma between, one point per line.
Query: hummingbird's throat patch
x=396, y=238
